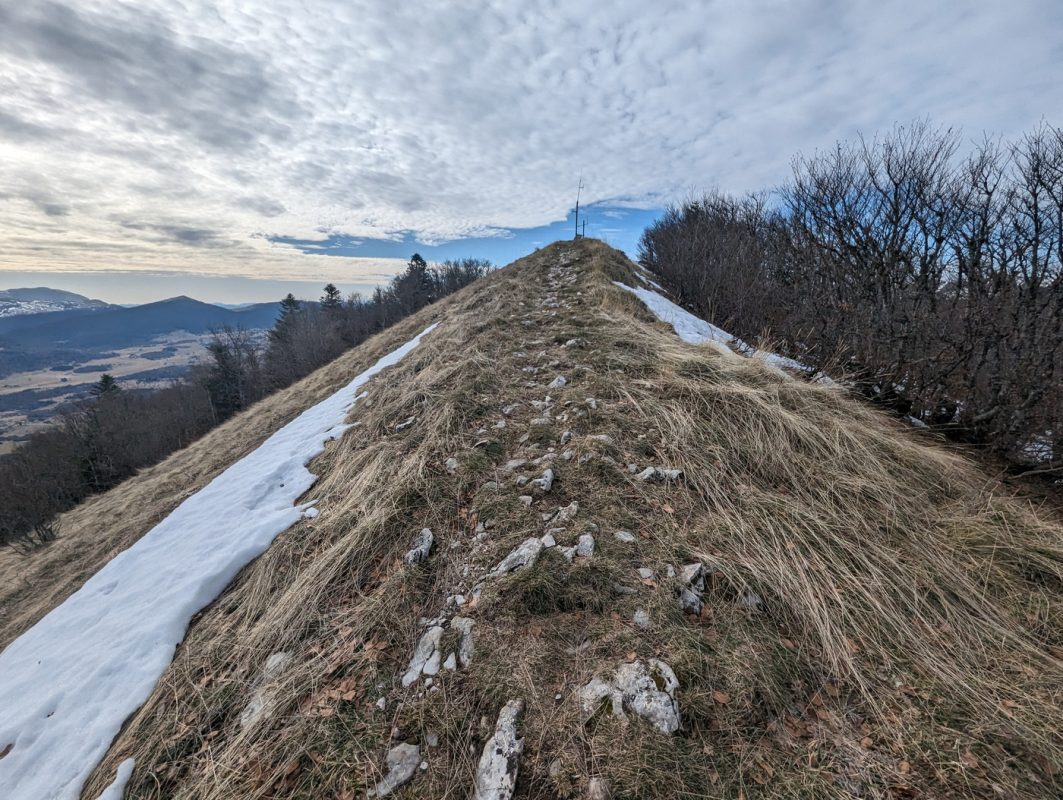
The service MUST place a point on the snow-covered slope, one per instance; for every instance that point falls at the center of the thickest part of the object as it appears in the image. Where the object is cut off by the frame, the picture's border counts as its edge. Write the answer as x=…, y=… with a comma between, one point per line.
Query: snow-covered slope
x=16, y=302
x=68, y=683
x=695, y=330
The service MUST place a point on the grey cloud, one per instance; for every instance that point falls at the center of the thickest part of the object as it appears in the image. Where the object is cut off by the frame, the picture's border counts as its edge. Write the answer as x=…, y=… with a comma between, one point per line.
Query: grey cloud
x=222, y=96
x=221, y=126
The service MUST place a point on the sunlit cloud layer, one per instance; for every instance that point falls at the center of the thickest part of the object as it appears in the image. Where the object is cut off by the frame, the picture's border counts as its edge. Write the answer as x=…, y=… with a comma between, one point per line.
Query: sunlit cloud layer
x=186, y=135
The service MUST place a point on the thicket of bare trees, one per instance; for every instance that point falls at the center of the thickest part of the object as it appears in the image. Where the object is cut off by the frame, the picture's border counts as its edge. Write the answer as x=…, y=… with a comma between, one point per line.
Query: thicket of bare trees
x=934, y=278
x=115, y=431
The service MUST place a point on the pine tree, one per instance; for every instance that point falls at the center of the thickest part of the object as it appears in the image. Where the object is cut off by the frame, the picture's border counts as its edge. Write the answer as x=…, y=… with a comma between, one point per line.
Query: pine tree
x=106, y=386
x=331, y=300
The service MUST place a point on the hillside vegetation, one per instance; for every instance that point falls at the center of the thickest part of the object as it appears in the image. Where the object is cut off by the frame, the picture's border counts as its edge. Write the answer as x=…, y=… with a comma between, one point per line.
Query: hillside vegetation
x=656, y=570
x=931, y=275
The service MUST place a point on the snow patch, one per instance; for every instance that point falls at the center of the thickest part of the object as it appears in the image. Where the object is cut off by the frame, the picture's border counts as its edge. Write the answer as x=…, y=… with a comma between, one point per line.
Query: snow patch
x=69, y=682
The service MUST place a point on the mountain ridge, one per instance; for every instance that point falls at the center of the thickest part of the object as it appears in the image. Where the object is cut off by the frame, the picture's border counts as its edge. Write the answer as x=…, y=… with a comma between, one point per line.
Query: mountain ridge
x=655, y=569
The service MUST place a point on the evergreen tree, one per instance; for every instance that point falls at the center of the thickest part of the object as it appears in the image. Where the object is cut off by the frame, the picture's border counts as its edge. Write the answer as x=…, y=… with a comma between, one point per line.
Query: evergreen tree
x=331, y=300
x=106, y=386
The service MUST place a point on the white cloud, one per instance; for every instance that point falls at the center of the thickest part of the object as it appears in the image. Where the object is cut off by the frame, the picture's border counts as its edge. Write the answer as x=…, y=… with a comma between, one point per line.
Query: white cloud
x=182, y=135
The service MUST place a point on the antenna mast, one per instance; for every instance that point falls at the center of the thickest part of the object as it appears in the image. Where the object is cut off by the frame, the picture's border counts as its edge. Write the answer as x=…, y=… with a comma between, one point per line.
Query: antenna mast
x=578, y=190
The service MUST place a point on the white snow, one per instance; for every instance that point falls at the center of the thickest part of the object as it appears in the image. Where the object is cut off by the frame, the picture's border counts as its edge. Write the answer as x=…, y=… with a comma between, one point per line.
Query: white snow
x=651, y=283
x=694, y=330
x=68, y=683
x=115, y=790
x=689, y=328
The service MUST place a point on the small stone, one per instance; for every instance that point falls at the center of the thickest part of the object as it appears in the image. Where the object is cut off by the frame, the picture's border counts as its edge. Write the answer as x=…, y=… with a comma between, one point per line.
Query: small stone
x=604, y=438
x=548, y=540
x=382, y=703
x=566, y=437
x=452, y=465
x=522, y=480
x=567, y=455
x=523, y=556
x=422, y=546
x=657, y=474
x=645, y=573
x=431, y=738
x=490, y=486
x=465, y=646
x=750, y=600
x=566, y=514
x=598, y=789
x=642, y=619
x=451, y=663
x=585, y=546
x=526, y=499
x=426, y=652
x=546, y=482
x=592, y=404
x=557, y=383
x=632, y=468
x=402, y=762
x=627, y=537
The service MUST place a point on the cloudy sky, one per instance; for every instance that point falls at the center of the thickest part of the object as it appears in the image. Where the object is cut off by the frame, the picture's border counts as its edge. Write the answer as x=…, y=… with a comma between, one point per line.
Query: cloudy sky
x=310, y=141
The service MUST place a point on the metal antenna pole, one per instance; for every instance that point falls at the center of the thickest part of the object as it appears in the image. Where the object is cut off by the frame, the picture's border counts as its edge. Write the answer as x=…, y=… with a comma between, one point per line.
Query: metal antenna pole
x=579, y=189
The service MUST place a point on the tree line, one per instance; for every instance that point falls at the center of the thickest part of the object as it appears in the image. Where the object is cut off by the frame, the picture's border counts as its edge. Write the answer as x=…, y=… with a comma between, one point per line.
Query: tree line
x=115, y=431
x=927, y=271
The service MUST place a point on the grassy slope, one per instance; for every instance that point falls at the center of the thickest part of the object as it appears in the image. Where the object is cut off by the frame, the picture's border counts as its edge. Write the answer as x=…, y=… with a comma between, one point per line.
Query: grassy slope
x=907, y=643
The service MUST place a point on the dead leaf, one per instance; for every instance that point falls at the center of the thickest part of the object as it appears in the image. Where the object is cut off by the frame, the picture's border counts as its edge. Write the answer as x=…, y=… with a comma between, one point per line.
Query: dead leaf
x=721, y=697
x=867, y=743
x=904, y=767
x=969, y=759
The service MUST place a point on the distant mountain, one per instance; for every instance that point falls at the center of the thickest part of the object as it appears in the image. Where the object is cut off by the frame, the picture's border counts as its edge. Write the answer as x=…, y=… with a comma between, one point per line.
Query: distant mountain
x=116, y=327
x=41, y=300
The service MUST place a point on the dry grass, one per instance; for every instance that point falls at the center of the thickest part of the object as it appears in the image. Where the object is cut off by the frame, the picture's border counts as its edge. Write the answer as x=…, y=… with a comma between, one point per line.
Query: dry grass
x=907, y=641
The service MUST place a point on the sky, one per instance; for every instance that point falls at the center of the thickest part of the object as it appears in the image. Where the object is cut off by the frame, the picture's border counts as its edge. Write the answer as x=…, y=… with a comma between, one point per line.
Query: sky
x=246, y=146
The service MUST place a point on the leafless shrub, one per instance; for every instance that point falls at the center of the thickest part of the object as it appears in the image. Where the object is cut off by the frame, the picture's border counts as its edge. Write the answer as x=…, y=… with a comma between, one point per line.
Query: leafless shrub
x=936, y=280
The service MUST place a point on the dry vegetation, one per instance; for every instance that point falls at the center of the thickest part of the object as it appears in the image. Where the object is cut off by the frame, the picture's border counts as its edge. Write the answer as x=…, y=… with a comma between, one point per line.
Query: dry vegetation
x=903, y=638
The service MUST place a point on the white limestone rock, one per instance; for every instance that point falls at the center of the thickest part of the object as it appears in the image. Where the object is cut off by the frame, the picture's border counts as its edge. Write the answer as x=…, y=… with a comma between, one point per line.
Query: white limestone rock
x=264, y=697
x=496, y=775
x=426, y=654
x=546, y=482
x=466, y=646
x=659, y=475
x=422, y=546
x=692, y=577
x=402, y=762
x=557, y=383
x=644, y=688
x=523, y=556
x=626, y=537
